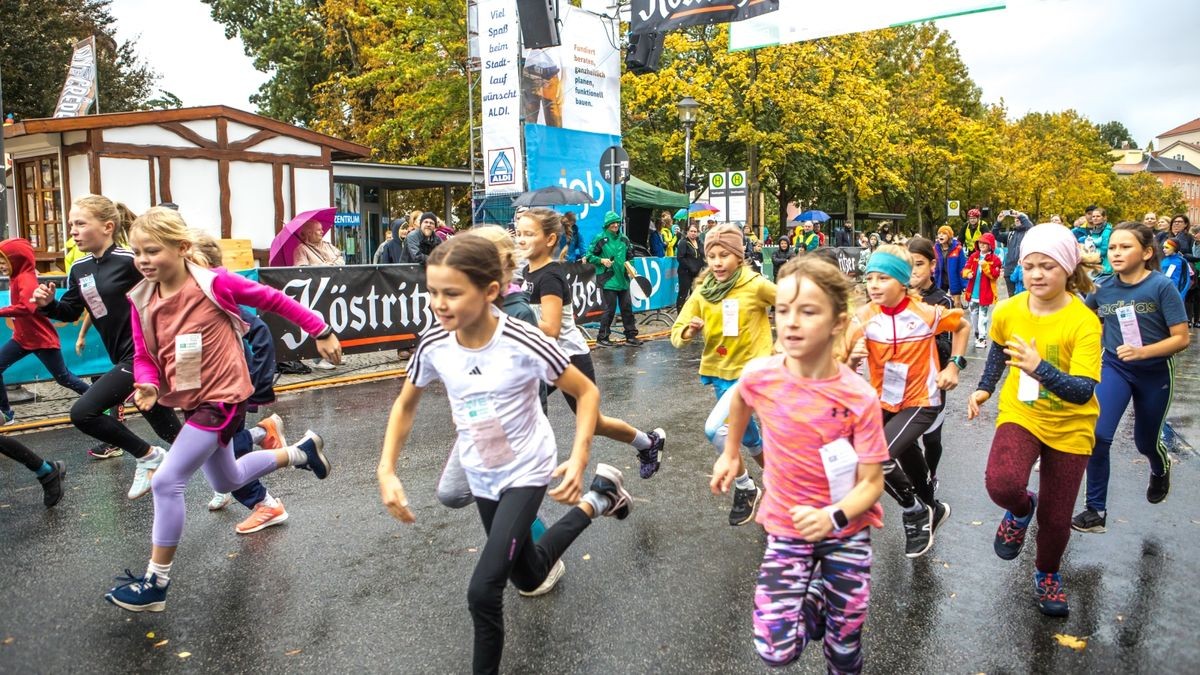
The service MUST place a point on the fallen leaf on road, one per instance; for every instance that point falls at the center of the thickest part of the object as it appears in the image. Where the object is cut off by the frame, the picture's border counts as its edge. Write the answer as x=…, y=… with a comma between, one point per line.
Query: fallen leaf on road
x=1078, y=644
x=1122, y=520
x=953, y=595
x=231, y=555
x=7, y=641
x=472, y=549
x=184, y=655
x=1120, y=617
x=587, y=556
x=5, y=506
x=150, y=635
x=160, y=643
x=292, y=652
x=946, y=565
x=976, y=522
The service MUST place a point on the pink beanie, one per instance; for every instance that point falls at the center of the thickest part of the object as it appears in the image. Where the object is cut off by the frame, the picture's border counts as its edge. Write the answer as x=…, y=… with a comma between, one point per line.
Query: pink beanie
x=1055, y=241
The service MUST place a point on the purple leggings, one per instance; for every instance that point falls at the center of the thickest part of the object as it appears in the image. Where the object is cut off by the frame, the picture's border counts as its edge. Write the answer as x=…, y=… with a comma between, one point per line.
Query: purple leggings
x=193, y=449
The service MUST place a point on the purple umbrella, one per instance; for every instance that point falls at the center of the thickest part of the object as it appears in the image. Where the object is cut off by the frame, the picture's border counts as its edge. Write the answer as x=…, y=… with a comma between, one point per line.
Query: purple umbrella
x=283, y=247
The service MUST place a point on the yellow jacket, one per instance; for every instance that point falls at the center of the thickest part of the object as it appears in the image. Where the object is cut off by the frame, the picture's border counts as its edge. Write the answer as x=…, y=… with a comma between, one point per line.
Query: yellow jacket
x=669, y=240
x=725, y=356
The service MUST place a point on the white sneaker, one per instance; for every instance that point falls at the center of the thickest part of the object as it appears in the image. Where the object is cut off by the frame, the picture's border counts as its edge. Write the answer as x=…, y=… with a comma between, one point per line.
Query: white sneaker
x=219, y=501
x=143, y=472
x=323, y=364
x=552, y=578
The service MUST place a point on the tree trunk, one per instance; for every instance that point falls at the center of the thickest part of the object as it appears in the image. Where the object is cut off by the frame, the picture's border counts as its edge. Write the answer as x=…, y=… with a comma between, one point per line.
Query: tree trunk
x=850, y=205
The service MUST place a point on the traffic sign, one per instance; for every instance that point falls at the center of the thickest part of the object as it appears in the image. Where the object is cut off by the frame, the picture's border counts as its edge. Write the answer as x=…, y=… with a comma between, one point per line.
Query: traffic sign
x=614, y=165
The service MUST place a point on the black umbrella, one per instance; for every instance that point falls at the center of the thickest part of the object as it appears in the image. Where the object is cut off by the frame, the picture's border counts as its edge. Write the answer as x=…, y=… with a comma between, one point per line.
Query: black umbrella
x=552, y=196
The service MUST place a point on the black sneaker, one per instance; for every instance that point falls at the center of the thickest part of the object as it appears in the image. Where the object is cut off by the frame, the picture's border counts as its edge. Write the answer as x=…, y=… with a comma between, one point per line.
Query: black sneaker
x=744, y=503
x=605, y=342
x=1010, y=536
x=1159, y=486
x=610, y=483
x=918, y=531
x=633, y=342
x=941, y=513
x=1089, y=520
x=651, y=457
x=52, y=484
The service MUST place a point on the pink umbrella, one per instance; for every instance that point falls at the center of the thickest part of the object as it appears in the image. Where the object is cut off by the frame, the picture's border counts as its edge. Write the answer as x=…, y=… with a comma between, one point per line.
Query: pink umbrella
x=283, y=247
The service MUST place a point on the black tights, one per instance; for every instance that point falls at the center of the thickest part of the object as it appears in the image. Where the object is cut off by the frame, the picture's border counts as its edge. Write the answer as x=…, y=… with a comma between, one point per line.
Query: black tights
x=15, y=450
x=110, y=391
x=906, y=475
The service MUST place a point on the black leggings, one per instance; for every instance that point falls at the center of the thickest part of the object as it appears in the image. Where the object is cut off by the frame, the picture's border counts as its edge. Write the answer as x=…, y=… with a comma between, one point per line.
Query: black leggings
x=1192, y=302
x=509, y=554
x=932, y=440
x=15, y=450
x=584, y=363
x=905, y=475
x=110, y=391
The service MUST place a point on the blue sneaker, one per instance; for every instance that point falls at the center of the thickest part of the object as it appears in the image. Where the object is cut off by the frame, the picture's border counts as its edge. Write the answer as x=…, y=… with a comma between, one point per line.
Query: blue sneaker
x=313, y=448
x=1010, y=536
x=1051, y=597
x=10, y=416
x=139, y=594
x=651, y=458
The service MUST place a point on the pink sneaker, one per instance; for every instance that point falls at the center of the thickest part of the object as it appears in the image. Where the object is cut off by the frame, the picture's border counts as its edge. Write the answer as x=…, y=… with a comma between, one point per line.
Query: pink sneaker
x=262, y=517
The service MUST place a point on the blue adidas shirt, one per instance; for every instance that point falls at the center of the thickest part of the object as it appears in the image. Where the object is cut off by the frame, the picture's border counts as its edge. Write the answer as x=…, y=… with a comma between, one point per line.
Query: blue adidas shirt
x=1154, y=300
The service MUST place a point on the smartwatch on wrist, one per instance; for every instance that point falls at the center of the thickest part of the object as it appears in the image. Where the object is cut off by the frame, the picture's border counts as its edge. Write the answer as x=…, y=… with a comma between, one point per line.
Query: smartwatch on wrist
x=838, y=516
x=325, y=333
x=960, y=361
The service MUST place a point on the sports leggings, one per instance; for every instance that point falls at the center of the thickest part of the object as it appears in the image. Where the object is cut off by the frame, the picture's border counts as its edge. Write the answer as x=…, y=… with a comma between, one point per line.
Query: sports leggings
x=932, y=439
x=111, y=390
x=715, y=427
x=196, y=448
x=507, y=555
x=1151, y=388
x=16, y=451
x=906, y=475
x=1010, y=463
x=795, y=601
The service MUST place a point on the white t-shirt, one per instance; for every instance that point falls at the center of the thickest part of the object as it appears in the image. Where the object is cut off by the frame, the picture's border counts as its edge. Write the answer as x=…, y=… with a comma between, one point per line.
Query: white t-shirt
x=504, y=438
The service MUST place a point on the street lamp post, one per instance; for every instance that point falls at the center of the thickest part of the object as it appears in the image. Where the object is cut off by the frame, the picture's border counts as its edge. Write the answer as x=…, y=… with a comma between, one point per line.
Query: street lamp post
x=688, y=107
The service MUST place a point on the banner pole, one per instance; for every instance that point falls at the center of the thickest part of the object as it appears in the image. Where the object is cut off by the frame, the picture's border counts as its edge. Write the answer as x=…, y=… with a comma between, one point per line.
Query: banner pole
x=3, y=158
x=96, y=68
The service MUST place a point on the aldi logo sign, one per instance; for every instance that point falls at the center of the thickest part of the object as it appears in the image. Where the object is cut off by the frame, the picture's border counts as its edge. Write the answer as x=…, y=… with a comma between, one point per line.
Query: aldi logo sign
x=500, y=167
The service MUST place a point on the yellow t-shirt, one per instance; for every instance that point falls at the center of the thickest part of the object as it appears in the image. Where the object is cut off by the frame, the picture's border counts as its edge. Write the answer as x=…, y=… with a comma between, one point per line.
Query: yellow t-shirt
x=1070, y=340
x=726, y=355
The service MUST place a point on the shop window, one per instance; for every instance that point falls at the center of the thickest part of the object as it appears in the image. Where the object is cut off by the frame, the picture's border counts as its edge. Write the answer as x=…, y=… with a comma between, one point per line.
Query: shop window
x=39, y=199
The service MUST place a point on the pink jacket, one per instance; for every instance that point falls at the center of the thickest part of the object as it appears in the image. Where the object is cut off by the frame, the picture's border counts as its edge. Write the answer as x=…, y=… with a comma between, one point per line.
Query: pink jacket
x=227, y=290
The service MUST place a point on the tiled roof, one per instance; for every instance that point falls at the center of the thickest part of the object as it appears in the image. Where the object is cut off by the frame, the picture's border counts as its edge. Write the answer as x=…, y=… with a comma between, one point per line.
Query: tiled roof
x=1167, y=165
x=1194, y=125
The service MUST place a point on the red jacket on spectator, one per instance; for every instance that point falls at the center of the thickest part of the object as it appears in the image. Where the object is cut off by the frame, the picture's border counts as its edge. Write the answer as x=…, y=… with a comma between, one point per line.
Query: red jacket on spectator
x=30, y=329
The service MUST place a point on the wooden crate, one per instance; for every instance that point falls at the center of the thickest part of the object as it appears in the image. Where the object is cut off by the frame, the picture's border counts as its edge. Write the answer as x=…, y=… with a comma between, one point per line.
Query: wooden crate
x=237, y=253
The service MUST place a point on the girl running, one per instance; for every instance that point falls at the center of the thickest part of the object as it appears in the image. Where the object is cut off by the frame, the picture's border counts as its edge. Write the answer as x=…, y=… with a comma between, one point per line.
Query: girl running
x=924, y=259
x=98, y=282
x=1145, y=325
x=491, y=367
x=187, y=334
x=1047, y=408
x=538, y=233
x=900, y=334
x=32, y=332
x=729, y=309
x=824, y=447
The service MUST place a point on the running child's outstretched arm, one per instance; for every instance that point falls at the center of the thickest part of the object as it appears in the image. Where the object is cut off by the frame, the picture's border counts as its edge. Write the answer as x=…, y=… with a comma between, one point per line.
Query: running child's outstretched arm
x=587, y=413
x=399, y=426
x=947, y=379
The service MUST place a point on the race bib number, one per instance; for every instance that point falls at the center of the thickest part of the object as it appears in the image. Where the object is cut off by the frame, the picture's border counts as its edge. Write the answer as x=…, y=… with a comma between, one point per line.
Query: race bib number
x=1130, y=333
x=487, y=433
x=1028, y=388
x=87, y=288
x=729, y=317
x=841, y=468
x=189, y=352
x=895, y=381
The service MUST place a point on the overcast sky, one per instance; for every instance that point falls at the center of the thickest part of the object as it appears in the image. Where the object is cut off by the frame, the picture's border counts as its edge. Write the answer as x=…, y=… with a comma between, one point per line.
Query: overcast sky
x=1108, y=59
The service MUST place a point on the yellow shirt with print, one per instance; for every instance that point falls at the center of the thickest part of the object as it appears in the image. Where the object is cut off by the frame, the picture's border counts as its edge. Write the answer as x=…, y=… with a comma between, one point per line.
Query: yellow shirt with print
x=1070, y=340
x=725, y=355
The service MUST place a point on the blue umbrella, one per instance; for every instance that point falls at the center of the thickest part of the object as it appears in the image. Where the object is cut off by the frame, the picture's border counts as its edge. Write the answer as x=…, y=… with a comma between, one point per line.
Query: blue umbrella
x=817, y=216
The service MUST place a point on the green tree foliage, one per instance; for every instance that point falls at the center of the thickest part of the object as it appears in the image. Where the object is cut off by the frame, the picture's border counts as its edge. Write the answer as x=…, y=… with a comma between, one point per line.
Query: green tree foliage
x=1142, y=192
x=36, y=39
x=1114, y=133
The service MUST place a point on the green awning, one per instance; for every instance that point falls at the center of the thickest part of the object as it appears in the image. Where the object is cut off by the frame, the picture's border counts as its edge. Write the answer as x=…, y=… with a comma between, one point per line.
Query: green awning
x=639, y=193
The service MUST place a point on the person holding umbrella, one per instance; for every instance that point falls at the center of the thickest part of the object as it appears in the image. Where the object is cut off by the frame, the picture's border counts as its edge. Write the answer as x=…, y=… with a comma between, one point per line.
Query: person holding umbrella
x=313, y=250
x=609, y=253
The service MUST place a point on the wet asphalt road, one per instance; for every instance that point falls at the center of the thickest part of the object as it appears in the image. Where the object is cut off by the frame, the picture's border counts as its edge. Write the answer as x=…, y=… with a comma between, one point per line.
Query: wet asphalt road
x=341, y=587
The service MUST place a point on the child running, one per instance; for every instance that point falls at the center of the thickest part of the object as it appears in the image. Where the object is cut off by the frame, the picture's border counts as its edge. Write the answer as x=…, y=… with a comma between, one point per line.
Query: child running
x=729, y=309
x=98, y=283
x=924, y=260
x=187, y=334
x=32, y=332
x=824, y=446
x=982, y=270
x=539, y=231
x=1145, y=325
x=491, y=367
x=900, y=334
x=1051, y=340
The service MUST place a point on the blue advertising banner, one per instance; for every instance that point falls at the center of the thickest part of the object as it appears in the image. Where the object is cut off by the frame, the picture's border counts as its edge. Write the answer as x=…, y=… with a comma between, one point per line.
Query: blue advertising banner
x=663, y=275
x=570, y=158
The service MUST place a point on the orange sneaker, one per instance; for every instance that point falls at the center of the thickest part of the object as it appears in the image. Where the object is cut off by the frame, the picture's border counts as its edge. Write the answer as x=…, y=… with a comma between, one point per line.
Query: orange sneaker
x=261, y=517
x=273, y=425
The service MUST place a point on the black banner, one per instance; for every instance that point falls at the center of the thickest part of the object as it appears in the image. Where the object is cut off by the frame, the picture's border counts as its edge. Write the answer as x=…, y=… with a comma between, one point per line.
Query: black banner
x=655, y=16
x=378, y=307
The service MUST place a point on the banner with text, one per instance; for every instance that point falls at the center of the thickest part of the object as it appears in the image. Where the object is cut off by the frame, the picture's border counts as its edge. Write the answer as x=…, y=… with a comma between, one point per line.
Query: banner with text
x=80, y=89
x=571, y=159
x=650, y=16
x=499, y=44
x=578, y=84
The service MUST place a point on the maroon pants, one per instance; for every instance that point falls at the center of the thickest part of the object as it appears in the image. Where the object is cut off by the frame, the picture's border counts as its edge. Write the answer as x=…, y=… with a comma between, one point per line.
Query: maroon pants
x=1014, y=450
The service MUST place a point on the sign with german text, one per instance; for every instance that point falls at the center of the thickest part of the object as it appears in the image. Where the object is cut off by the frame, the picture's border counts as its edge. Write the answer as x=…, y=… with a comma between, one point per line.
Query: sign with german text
x=500, y=55
x=79, y=91
x=653, y=16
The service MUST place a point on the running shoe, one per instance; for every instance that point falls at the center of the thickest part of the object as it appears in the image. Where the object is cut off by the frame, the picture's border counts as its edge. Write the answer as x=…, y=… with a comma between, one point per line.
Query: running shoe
x=104, y=451
x=1051, y=596
x=262, y=517
x=609, y=482
x=52, y=484
x=941, y=513
x=651, y=457
x=314, y=450
x=1090, y=520
x=139, y=594
x=275, y=439
x=10, y=416
x=143, y=472
x=605, y=342
x=1160, y=486
x=219, y=501
x=322, y=364
x=633, y=341
x=1010, y=536
x=918, y=531
x=744, y=503
x=556, y=572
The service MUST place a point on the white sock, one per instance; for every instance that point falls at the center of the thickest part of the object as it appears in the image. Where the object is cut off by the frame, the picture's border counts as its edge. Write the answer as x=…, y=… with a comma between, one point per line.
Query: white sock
x=163, y=572
x=600, y=503
x=641, y=441
x=151, y=456
x=744, y=481
x=270, y=501
x=257, y=434
x=296, y=456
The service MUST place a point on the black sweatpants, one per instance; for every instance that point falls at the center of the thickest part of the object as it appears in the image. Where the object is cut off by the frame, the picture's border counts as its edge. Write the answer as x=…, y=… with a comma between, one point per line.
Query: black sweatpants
x=509, y=554
x=905, y=475
x=611, y=300
x=110, y=391
x=15, y=450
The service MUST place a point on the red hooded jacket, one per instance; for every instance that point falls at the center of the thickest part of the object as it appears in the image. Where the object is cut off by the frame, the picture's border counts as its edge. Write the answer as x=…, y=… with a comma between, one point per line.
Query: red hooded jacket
x=992, y=267
x=30, y=329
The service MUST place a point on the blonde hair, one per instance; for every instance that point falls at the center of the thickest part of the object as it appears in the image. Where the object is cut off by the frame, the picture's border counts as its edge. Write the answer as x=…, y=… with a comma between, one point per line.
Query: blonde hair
x=167, y=227
x=107, y=211
x=904, y=254
x=206, y=245
x=505, y=248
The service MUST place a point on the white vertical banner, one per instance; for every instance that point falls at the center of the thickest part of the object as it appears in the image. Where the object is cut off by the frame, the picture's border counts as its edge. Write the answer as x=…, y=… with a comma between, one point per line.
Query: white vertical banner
x=718, y=194
x=499, y=47
x=80, y=89
x=577, y=85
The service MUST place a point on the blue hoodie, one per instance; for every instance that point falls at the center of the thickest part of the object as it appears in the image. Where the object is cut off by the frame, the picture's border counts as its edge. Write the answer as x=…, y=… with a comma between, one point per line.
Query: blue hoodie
x=1177, y=269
